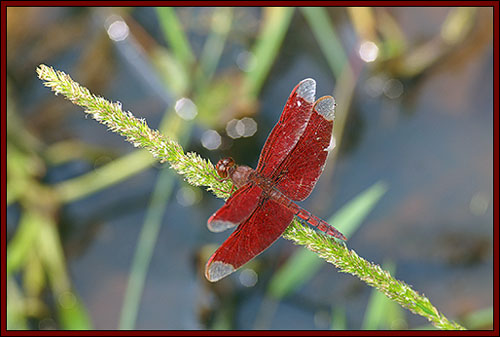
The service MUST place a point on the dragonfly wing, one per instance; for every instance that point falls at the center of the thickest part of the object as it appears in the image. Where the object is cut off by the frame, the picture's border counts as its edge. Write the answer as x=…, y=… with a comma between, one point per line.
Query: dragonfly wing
x=286, y=133
x=253, y=236
x=236, y=209
x=300, y=171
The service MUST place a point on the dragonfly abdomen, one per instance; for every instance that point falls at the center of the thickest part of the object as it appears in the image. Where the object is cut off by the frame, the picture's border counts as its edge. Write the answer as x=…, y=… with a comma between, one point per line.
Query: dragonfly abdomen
x=306, y=216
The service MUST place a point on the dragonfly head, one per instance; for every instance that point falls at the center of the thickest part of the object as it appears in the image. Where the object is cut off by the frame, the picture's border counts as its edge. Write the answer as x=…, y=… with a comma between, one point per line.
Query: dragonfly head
x=225, y=166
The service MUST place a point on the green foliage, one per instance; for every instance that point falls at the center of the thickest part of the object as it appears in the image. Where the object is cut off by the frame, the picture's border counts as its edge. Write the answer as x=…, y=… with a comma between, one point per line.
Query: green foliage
x=326, y=37
x=349, y=218
x=175, y=36
x=265, y=50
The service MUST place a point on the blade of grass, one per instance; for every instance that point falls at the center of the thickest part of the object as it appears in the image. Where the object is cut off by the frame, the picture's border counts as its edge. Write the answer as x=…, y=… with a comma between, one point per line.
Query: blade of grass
x=149, y=233
x=145, y=247
x=272, y=33
x=298, y=269
x=456, y=27
x=324, y=32
x=104, y=176
x=480, y=319
x=174, y=34
x=22, y=243
x=170, y=71
x=16, y=310
x=339, y=318
x=71, y=311
x=223, y=318
x=364, y=22
x=393, y=41
x=213, y=47
x=338, y=61
x=349, y=218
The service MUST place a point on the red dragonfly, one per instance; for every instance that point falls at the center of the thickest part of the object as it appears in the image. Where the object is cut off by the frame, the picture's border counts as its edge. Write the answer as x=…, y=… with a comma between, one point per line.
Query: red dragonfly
x=291, y=162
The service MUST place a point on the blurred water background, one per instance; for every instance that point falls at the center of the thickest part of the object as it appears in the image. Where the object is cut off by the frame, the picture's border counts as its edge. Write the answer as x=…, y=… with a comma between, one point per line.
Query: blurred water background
x=414, y=88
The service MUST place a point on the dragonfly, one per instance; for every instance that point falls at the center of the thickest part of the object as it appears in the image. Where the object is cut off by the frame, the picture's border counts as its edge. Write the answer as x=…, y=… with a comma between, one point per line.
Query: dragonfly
x=263, y=205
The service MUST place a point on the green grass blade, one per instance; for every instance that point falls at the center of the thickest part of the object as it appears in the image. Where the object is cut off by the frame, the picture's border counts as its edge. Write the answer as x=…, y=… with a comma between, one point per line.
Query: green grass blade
x=16, y=309
x=22, y=243
x=72, y=313
x=339, y=318
x=107, y=175
x=145, y=247
x=324, y=32
x=349, y=218
x=175, y=36
x=214, y=45
x=481, y=319
x=265, y=50
x=298, y=269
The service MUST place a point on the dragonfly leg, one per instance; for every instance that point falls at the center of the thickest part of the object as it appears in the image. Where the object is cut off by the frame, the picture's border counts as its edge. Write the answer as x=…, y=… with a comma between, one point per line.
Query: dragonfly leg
x=220, y=180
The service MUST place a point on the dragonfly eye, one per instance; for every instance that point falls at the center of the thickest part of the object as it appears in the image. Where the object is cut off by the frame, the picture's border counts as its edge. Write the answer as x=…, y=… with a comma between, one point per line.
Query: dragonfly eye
x=223, y=167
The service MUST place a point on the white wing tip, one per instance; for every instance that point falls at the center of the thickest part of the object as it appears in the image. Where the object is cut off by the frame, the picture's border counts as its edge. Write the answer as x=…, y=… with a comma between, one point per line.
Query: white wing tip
x=217, y=226
x=217, y=270
x=325, y=106
x=307, y=90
